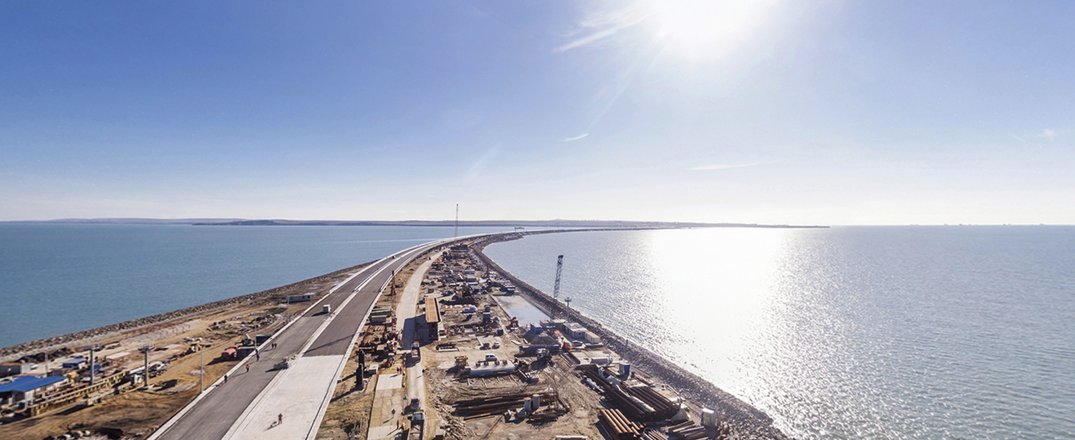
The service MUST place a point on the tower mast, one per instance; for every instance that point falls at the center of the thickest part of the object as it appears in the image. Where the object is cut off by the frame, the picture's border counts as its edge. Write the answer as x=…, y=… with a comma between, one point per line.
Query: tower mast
x=559, y=270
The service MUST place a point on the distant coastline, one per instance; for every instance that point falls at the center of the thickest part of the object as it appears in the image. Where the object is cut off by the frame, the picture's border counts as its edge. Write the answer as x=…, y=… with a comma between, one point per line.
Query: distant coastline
x=555, y=223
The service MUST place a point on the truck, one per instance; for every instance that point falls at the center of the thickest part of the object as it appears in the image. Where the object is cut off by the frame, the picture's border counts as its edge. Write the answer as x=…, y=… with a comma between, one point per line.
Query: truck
x=230, y=353
x=418, y=426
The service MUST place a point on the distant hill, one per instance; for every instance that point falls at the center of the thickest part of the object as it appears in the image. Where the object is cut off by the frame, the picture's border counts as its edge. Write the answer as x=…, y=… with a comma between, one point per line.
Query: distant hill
x=139, y=221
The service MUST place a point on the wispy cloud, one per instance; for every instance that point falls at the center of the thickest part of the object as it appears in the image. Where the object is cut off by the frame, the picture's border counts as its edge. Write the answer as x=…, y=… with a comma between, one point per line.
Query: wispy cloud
x=600, y=26
x=479, y=165
x=724, y=166
x=575, y=138
x=1047, y=134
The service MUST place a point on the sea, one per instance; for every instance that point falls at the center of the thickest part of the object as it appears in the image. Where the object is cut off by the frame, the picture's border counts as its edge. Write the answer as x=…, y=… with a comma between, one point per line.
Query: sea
x=960, y=332
x=57, y=278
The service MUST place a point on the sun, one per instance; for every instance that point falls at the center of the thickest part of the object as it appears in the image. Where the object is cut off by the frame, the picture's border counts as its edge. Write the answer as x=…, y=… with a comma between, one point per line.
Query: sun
x=701, y=28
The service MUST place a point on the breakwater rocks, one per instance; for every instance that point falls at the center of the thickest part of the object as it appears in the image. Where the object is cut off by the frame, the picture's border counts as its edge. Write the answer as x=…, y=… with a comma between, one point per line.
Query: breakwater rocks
x=743, y=420
x=56, y=346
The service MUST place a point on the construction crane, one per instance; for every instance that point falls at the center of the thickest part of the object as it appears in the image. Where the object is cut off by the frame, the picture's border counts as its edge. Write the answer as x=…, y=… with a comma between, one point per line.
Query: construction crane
x=559, y=270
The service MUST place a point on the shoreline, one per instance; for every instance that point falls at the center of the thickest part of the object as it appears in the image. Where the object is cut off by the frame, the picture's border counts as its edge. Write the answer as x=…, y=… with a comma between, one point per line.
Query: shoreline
x=744, y=420
x=743, y=417
x=35, y=349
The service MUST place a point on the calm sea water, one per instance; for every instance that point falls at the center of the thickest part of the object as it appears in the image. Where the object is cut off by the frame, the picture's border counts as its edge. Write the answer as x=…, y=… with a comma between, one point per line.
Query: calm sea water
x=854, y=332
x=59, y=278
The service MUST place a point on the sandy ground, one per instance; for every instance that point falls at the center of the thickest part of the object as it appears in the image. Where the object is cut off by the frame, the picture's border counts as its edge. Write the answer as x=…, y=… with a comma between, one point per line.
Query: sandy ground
x=141, y=411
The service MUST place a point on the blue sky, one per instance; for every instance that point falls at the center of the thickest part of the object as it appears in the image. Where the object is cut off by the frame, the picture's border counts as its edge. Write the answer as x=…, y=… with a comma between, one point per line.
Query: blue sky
x=774, y=112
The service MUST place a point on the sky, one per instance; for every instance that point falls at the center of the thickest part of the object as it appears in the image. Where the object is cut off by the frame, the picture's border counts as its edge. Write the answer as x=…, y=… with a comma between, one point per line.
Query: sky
x=790, y=112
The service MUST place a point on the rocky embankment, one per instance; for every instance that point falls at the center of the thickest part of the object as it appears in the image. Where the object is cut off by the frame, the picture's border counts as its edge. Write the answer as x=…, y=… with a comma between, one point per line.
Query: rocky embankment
x=744, y=420
x=57, y=346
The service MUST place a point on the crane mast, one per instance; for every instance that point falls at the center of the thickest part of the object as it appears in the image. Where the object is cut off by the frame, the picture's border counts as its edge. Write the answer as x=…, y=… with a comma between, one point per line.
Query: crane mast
x=559, y=269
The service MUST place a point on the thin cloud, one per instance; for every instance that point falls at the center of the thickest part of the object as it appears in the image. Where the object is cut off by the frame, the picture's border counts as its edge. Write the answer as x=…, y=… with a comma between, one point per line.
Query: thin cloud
x=606, y=24
x=575, y=138
x=1047, y=134
x=586, y=41
x=479, y=165
x=724, y=166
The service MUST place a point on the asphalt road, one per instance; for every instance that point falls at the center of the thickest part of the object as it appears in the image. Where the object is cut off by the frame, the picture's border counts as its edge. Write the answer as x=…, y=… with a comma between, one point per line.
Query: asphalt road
x=215, y=413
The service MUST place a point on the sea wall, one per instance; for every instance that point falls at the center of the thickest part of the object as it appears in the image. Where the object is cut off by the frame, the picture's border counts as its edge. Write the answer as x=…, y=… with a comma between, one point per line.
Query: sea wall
x=744, y=420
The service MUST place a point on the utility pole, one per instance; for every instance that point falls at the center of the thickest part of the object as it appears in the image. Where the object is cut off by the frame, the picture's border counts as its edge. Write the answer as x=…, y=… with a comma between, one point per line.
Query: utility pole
x=456, y=233
x=93, y=371
x=361, y=373
x=145, y=363
x=201, y=356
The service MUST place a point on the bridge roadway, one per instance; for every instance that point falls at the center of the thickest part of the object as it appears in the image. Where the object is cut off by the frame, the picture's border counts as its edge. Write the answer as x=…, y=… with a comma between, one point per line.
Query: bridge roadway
x=214, y=412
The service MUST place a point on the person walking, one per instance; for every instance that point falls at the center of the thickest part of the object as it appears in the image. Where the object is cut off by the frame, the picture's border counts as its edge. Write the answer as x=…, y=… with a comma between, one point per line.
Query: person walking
x=225, y=378
x=247, y=368
x=280, y=419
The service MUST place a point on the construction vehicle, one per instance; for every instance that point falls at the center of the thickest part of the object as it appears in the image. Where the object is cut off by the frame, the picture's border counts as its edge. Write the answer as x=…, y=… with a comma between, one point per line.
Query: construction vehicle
x=418, y=426
x=285, y=363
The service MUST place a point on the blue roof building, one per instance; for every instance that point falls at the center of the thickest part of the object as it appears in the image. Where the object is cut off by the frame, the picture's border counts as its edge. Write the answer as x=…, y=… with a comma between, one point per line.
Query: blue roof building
x=25, y=387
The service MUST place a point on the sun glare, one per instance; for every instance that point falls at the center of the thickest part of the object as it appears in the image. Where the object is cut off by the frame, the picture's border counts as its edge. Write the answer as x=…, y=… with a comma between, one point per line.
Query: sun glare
x=697, y=28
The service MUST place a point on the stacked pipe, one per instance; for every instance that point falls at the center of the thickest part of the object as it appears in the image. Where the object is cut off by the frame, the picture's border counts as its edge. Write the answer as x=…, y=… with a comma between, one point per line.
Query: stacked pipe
x=631, y=405
x=619, y=426
x=664, y=407
x=688, y=431
x=493, y=405
x=652, y=434
x=590, y=371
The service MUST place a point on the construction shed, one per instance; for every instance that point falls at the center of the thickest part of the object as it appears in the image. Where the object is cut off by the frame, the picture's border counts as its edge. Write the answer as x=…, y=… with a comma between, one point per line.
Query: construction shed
x=14, y=368
x=24, y=388
x=432, y=318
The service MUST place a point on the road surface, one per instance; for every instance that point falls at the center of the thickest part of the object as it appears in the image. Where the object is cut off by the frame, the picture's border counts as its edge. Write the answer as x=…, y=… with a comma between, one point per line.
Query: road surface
x=217, y=412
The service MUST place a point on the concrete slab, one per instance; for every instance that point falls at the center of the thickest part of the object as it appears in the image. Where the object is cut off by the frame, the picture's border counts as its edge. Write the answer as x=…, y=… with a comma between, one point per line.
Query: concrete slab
x=384, y=432
x=387, y=407
x=389, y=382
x=296, y=393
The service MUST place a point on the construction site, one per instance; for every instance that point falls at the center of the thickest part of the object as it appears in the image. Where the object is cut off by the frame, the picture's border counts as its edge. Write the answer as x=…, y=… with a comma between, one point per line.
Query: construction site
x=126, y=381
x=451, y=347
x=444, y=355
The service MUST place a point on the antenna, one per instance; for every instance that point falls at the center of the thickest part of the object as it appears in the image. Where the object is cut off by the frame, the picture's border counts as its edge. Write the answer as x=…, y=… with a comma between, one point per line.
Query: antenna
x=456, y=234
x=559, y=269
